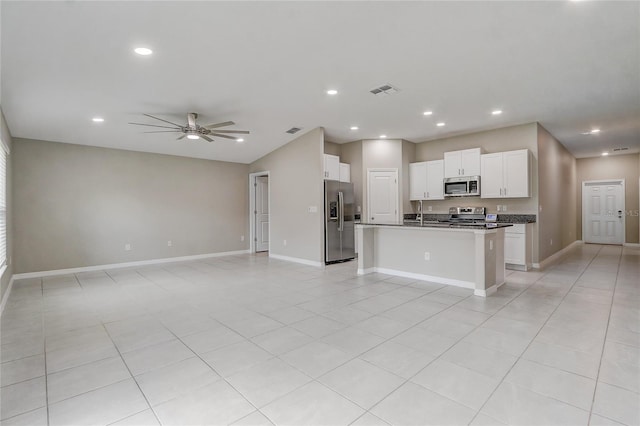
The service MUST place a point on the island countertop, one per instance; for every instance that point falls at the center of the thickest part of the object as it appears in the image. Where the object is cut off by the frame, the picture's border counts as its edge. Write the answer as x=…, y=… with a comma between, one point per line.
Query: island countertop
x=442, y=225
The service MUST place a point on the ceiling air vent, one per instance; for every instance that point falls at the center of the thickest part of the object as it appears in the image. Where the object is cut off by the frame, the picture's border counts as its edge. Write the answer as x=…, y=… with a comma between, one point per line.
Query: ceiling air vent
x=621, y=149
x=293, y=130
x=385, y=89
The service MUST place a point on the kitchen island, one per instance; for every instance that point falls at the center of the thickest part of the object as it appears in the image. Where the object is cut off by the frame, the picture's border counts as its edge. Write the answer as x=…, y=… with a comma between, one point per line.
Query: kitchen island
x=464, y=256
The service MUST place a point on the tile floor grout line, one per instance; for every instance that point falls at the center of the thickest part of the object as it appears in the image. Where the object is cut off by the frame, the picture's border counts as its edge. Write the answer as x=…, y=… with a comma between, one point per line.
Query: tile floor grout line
x=446, y=350
x=534, y=337
x=604, y=343
x=44, y=350
x=132, y=377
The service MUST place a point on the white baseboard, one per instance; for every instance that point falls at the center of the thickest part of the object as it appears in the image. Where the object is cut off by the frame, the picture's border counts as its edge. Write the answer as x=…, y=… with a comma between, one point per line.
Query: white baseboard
x=632, y=245
x=296, y=260
x=41, y=274
x=556, y=256
x=6, y=295
x=366, y=271
x=423, y=277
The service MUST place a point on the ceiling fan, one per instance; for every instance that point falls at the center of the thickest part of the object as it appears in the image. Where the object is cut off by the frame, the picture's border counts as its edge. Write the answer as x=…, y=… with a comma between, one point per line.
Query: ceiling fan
x=192, y=130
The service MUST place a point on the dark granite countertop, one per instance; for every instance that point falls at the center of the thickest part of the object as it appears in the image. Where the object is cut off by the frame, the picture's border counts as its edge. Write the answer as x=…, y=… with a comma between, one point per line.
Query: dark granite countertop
x=502, y=218
x=443, y=225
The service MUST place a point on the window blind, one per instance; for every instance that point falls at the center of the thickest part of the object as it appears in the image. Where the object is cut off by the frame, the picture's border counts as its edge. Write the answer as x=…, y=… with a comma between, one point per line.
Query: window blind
x=3, y=206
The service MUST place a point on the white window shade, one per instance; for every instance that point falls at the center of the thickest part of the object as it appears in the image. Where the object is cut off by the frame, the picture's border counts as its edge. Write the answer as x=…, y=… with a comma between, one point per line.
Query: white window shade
x=3, y=206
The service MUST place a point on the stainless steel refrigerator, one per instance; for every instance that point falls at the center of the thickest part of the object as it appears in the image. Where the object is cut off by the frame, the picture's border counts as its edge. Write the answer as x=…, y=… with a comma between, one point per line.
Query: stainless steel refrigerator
x=339, y=241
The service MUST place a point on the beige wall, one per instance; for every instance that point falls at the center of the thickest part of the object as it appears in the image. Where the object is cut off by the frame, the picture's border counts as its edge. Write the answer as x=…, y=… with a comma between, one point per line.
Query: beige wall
x=5, y=136
x=625, y=167
x=295, y=184
x=557, y=217
x=351, y=153
x=498, y=140
x=78, y=206
x=333, y=149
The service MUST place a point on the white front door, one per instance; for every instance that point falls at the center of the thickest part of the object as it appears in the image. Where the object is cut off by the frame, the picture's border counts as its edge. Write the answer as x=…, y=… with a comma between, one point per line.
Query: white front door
x=603, y=212
x=262, y=213
x=383, y=196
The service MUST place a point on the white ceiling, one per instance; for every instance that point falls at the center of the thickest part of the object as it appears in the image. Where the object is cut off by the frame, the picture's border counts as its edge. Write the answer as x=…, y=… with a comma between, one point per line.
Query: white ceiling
x=572, y=66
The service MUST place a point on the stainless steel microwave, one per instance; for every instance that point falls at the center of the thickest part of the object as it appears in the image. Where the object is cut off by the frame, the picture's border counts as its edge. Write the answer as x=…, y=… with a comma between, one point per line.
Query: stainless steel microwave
x=465, y=186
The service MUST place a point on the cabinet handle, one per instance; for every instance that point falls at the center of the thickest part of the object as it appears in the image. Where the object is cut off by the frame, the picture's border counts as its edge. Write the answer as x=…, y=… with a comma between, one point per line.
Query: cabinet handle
x=427, y=195
x=462, y=172
x=505, y=192
x=501, y=192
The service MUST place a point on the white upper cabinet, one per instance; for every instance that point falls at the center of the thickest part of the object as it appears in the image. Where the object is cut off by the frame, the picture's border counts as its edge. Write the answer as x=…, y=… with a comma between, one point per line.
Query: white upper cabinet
x=506, y=174
x=331, y=167
x=435, y=175
x=462, y=163
x=345, y=172
x=418, y=181
x=425, y=180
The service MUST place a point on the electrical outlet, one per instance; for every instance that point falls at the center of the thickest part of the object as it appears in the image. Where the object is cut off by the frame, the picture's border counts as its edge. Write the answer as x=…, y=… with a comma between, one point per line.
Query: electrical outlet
x=504, y=207
x=127, y=247
x=241, y=237
x=427, y=255
x=499, y=207
x=169, y=243
x=284, y=243
x=313, y=209
x=429, y=208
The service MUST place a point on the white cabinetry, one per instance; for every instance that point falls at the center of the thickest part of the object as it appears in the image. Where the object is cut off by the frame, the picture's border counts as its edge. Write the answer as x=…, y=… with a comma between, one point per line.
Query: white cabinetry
x=517, y=246
x=462, y=163
x=345, y=172
x=418, y=181
x=425, y=180
x=331, y=167
x=506, y=174
x=435, y=175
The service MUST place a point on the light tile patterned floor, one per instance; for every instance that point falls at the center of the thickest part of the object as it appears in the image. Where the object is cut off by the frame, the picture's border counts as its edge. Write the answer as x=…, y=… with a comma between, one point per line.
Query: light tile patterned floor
x=247, y=340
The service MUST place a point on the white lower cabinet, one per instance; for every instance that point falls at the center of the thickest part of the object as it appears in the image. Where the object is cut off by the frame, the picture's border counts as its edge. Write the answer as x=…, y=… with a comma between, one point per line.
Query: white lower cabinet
x=517, y=246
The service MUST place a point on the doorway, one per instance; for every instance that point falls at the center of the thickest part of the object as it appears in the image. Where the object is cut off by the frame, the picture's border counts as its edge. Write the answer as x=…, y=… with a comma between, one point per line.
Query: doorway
x=259, y=210
x=603, y=211
x=382, y=194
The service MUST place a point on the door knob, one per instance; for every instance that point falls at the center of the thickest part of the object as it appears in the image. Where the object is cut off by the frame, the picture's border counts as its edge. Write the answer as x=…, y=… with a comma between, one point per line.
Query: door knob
x=619, y=214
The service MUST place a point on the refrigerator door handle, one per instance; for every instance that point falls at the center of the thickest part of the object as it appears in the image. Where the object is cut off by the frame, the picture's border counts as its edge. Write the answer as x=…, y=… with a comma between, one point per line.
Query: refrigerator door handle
x=341, y=211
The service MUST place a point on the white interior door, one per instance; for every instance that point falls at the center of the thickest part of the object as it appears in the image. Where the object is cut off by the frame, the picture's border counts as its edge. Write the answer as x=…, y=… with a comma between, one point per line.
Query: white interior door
x=262, y=213
x=383, y=196
x=603, y=212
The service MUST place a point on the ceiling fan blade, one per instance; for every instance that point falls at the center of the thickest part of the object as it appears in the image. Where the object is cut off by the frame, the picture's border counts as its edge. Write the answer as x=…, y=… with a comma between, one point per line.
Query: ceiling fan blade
x=214, y=126
x=181, y=137
x=164, y=131
x=244, y=132
x=222, y=136
x=149, y=115
x=154, y=125
x=206, y=138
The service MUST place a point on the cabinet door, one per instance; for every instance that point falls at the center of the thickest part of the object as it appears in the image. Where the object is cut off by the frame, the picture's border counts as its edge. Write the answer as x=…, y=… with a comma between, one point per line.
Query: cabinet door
x=435, y=175
x=345, y=172
x=418, y=181
x=491, y=182
x=516, y=174
x=452, y=164
x=470, y=162
x=514, y=249
x=331, y=167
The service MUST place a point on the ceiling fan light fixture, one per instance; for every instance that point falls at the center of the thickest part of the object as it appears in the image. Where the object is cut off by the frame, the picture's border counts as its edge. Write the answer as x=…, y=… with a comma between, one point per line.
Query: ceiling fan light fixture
x=193, y=137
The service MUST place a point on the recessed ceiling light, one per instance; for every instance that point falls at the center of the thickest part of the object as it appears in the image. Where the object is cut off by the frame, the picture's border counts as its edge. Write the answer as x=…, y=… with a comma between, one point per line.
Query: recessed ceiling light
x=239, y=140
x=605, y=153
x=496, y=112
x=383, y=136
x=427, y=113
x=193, y=137
x=332, y=92
x=354, y=127
x=97, y=119
x=594, y=131
x=144, y=51
x=440, y=124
